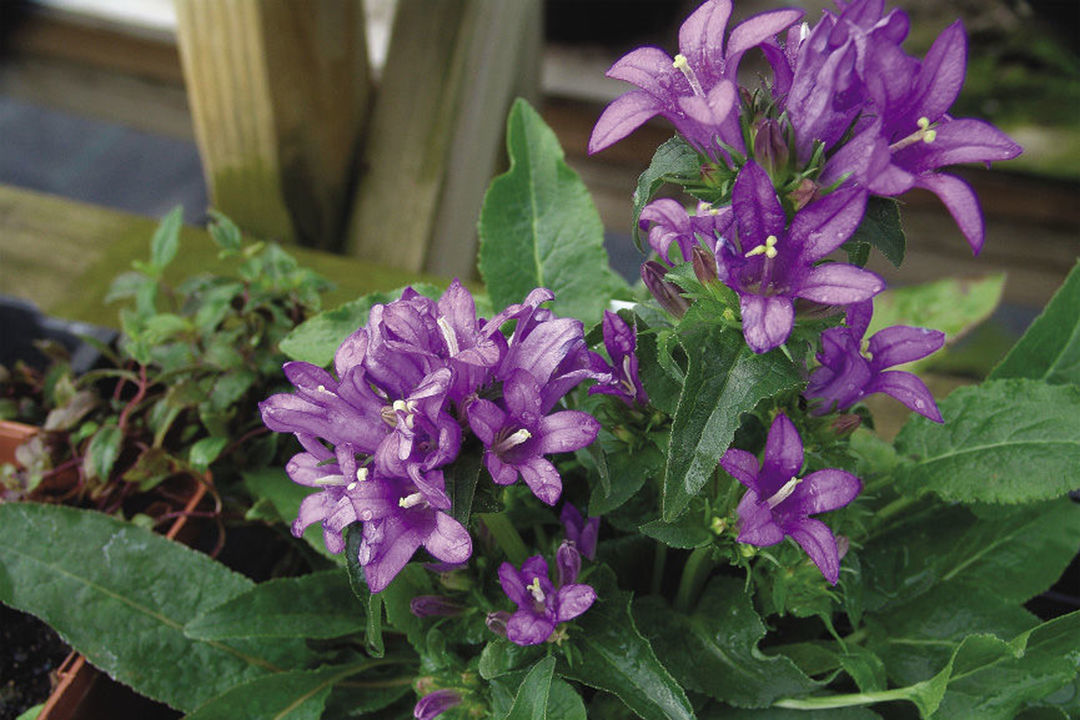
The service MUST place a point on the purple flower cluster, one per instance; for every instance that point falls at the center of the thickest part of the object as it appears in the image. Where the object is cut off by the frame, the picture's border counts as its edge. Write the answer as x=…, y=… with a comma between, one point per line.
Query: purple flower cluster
x=378, y=430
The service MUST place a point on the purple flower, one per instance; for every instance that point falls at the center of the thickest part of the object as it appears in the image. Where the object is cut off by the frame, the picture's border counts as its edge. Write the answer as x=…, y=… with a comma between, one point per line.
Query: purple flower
x=910, y=135
x=518, y=435
x=778, y=503
x=669, y=224
x=318, y=467
x=846, y=376
x=398, y=518
x=434, y=704
x=583, y=533
x=773, y=263
x=695, y=90
x=540, y=605
x=620, y=340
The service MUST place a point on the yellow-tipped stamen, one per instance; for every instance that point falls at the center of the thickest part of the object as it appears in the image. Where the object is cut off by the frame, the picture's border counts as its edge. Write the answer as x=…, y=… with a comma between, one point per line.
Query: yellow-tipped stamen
x=682, y=65
x=535, y=591
x=925, y=133
x=768, y=249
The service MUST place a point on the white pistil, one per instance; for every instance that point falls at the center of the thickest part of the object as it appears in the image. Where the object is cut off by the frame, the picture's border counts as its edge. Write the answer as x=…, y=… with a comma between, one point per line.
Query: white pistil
x=683, y=66
x=535, y=591
x=448, y=335
x=411, y=500
x=783, y=493
x=516, y=439
x=336, y=480
x=925, y=133
x=768, y=249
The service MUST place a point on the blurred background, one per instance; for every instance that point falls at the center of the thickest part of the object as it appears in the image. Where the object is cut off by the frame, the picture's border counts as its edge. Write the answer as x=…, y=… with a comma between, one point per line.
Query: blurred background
x=371, y=129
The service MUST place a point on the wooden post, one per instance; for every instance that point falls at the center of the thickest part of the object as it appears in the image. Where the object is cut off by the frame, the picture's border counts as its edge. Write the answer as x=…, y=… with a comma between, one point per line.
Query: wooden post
x=451, y=72
x=279, y=92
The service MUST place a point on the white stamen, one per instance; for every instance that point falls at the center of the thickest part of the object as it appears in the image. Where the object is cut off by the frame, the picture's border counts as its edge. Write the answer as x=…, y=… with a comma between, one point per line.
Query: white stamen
x=448, y=335
x=783, y=493
x=683, y=66
x=535, y=591
x=411, y=500
x=336, y=480
x=362, y=474
x=924, y=133
x=400, y=406
x=516, y=439
x=627, y=380
x=351, y=486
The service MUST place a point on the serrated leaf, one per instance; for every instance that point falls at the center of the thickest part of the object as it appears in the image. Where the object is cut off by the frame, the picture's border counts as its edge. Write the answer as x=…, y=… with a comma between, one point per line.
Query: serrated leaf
x=318, y=605
x=166, y=240
x=531, y=700
x=674, y=161
x=540, y=228
x=616, y=658
x=1050, y=349
x=1019, y=553
x=881, y=229
x=724, y=380
x=121, y=596
x=1005, y=441
x=102, y=452
x=159, y=328
x=952, y=305
x=714, y=650
x=224, y=232
x=293, y=695
x=317, y=339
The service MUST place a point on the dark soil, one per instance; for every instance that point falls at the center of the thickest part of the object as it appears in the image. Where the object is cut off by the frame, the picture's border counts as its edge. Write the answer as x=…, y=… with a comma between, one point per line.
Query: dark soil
x=29, y=651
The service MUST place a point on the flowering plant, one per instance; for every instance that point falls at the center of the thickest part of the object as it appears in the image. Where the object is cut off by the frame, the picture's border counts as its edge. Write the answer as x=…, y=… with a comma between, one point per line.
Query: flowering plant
x=565, y=497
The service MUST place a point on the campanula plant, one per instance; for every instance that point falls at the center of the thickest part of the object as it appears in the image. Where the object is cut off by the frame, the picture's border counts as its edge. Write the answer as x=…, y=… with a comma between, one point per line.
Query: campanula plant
x=565, y=497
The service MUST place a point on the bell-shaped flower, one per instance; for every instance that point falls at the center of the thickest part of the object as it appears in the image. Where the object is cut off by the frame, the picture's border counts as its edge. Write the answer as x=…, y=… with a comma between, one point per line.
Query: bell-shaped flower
x=541, y=606
x=669, y=224
x=333, y=474
x=772, y=263
x=579, y=530
x=518, y=435
x=695, y=90
x=848, y=372
x=778, y=503
x=620, y=340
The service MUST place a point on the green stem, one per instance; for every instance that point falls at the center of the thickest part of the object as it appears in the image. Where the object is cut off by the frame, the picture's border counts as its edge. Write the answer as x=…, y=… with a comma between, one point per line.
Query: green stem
x=900, y=503
x=659, y=558
x=506, y=535
x=694, y=574
x=839, y=701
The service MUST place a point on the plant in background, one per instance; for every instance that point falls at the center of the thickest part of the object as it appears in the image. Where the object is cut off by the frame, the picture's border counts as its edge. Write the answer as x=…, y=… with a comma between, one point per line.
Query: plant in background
x=702, y=529
x=176, y=395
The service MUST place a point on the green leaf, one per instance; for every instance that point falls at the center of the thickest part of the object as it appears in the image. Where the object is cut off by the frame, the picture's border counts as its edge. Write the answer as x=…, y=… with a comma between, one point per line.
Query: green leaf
x=1050, y=349
x=531, y=700
x=654, y=354
x=317, y=339
x=564, y=702
x=274, y=485
x=373, y=639
x=686, y=532
x=319, y=605
x=539, y=227
x=881, y=228
x=724, y=380
x=714, y=651
x=102, y=452
x=166, y=240
x=952, y=305
x=1019, y=553
x=206, y=451
x=865, y=668
x=627, y=473
x=616, y=658
x=1005, y=441
x=461, y=479
x=121, y=596
x=500, y=657
x=674, y=161
x=224, y=232
x=294, y=695
x=775, y=713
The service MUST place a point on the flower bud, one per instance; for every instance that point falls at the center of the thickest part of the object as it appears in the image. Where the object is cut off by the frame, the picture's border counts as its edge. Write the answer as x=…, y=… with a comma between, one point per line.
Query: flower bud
x=567, y=563
x=434, y=605
x=434, y=704
x=496, y=622
x=704, y=265
x=803, y=194
x=667, y=294
x=770, y=148
x=846, y=424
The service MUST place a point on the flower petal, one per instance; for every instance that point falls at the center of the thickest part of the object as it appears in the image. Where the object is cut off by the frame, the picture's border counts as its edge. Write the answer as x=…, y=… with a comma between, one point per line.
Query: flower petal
x=840, y=284
x=449, y=541
x=623, y=116
x=825, y=224
x=742, y=466
x=643, y=67
x=526, y=628
x=817, y=540
x=566, y=431
x=543, y=479
x=783, y=456
x=756, y=524
x=757, y=209
x=823, y=491
x=572, y=600
x=909, y=390
x=961, y=202
x=701, y=36
x=767, y=321
x=902, y=344
x=755, y=30
x=513, y=584
x=942, y=73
